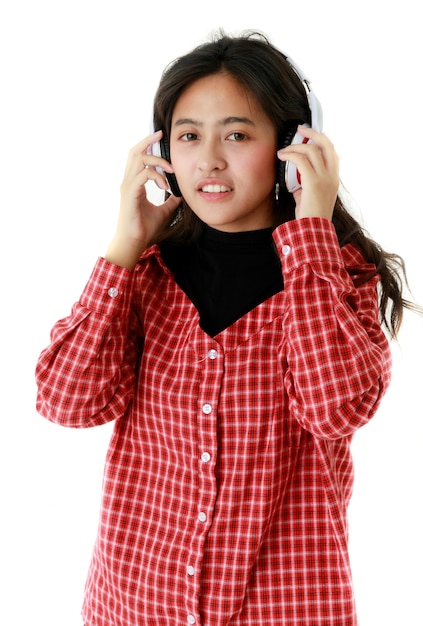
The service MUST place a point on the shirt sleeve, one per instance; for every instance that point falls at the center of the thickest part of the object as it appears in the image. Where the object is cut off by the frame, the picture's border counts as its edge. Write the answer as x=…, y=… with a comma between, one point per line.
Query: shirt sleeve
x=86, y=376
x=338, y=357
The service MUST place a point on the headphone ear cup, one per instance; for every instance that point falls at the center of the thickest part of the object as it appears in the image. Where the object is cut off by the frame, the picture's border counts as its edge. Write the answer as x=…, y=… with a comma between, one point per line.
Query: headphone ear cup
x=283, y=166
x=165, y=148
x=171, y=178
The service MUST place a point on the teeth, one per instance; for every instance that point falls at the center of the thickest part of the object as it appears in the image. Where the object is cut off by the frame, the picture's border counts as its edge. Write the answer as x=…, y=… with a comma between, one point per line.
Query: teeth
x=214, y=189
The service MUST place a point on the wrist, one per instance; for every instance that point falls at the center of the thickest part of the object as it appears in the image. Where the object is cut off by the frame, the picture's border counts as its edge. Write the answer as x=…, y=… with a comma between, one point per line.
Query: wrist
x=124, y=253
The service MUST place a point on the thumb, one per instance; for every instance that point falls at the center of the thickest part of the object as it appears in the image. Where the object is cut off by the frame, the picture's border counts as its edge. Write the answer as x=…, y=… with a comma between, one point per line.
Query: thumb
x=172, y=203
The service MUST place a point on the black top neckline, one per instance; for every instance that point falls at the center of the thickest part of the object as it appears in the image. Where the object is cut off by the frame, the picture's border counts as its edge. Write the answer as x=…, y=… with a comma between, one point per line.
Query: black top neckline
x=225, y=274
x=252, y=240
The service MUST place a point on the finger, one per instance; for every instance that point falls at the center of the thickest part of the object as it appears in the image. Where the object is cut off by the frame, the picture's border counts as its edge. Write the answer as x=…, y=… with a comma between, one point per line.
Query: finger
x=138, y=153
x=323, y=142
x=314, y=136
x=143, y=145
x=139, y=159
x=158, y=163
x=172, y=203
x=321, y=156
x=150, y=173
x=304, y=157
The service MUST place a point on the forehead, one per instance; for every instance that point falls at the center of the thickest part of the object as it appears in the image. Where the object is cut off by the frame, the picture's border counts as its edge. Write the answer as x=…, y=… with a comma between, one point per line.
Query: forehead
x=219, y=95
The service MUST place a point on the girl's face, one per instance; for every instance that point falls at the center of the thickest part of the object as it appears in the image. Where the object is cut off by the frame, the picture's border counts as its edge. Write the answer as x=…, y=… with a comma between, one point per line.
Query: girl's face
x=223, y=149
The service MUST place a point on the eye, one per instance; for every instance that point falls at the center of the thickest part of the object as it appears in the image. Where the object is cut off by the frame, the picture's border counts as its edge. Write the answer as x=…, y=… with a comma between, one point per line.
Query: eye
x=237, y=136
x=188, y=137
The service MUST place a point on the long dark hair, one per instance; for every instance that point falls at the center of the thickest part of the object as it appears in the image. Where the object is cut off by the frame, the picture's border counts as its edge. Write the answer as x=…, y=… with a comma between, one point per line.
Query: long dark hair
x=265, y=73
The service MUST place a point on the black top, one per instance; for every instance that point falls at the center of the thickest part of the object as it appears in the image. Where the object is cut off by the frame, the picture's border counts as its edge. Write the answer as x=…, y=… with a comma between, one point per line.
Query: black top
x=225, y=275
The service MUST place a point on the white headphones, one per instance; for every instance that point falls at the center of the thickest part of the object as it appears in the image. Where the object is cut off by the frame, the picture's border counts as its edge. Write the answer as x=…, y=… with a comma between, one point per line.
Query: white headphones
x=289, y=173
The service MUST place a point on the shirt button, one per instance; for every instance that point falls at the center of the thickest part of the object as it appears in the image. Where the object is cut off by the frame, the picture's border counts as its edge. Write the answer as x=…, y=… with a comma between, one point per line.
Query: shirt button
x=202, y=516
x=191, y=619
x=212, y=354
x=190, y=570
x=113, y=292
x=207, y=408
x=286, y=250
x=205, y=457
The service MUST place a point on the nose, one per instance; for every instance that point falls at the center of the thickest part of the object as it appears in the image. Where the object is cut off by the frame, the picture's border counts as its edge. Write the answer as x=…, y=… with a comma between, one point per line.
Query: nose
x=210, y=157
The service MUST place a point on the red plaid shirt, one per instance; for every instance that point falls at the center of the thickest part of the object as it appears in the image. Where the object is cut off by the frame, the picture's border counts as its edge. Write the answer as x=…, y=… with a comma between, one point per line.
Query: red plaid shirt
x=229, y=471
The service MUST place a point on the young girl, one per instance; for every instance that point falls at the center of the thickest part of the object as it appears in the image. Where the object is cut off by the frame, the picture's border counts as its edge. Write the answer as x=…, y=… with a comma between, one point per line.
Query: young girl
x=233, y=333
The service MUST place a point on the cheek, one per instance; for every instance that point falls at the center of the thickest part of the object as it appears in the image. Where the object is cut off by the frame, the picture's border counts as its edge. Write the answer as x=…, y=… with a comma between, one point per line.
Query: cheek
x=180, y=163
x=262, y=165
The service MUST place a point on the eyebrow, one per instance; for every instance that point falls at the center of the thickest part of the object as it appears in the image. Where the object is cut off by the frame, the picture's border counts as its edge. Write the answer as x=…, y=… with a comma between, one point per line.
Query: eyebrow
x=233, y=119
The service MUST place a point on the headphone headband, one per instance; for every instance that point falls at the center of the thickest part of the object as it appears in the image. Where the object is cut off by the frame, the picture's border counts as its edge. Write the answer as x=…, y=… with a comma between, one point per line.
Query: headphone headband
x=289, y=177
x=313, y=103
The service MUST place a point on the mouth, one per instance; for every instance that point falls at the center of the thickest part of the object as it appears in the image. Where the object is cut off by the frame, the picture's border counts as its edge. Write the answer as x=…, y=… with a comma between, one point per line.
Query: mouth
x=215, y=189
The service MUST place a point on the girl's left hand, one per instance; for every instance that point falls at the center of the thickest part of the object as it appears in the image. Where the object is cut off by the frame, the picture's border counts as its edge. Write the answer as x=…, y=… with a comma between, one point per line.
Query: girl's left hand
x=318, y=165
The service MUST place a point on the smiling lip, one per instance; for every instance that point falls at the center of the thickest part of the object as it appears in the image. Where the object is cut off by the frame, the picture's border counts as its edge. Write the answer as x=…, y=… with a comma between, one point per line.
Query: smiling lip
x=213, y=188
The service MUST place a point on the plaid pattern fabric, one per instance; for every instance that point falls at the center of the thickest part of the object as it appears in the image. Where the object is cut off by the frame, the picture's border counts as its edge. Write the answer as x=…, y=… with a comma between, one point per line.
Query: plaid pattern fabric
x=229, y=472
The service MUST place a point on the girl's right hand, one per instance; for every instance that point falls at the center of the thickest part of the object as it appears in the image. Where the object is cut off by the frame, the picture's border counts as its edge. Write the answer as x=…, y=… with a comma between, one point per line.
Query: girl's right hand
x=139, y=219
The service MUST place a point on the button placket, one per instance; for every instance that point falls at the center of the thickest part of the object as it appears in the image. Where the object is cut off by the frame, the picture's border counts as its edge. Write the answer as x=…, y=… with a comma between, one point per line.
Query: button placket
x=210, y=364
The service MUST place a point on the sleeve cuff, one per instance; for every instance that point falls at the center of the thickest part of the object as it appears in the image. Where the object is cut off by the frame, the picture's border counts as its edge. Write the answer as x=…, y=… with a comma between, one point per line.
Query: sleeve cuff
x=307, y=241
x=109, y=289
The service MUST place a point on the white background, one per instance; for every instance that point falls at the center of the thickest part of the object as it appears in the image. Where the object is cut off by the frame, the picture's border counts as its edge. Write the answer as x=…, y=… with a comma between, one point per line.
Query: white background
x=77, y=81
